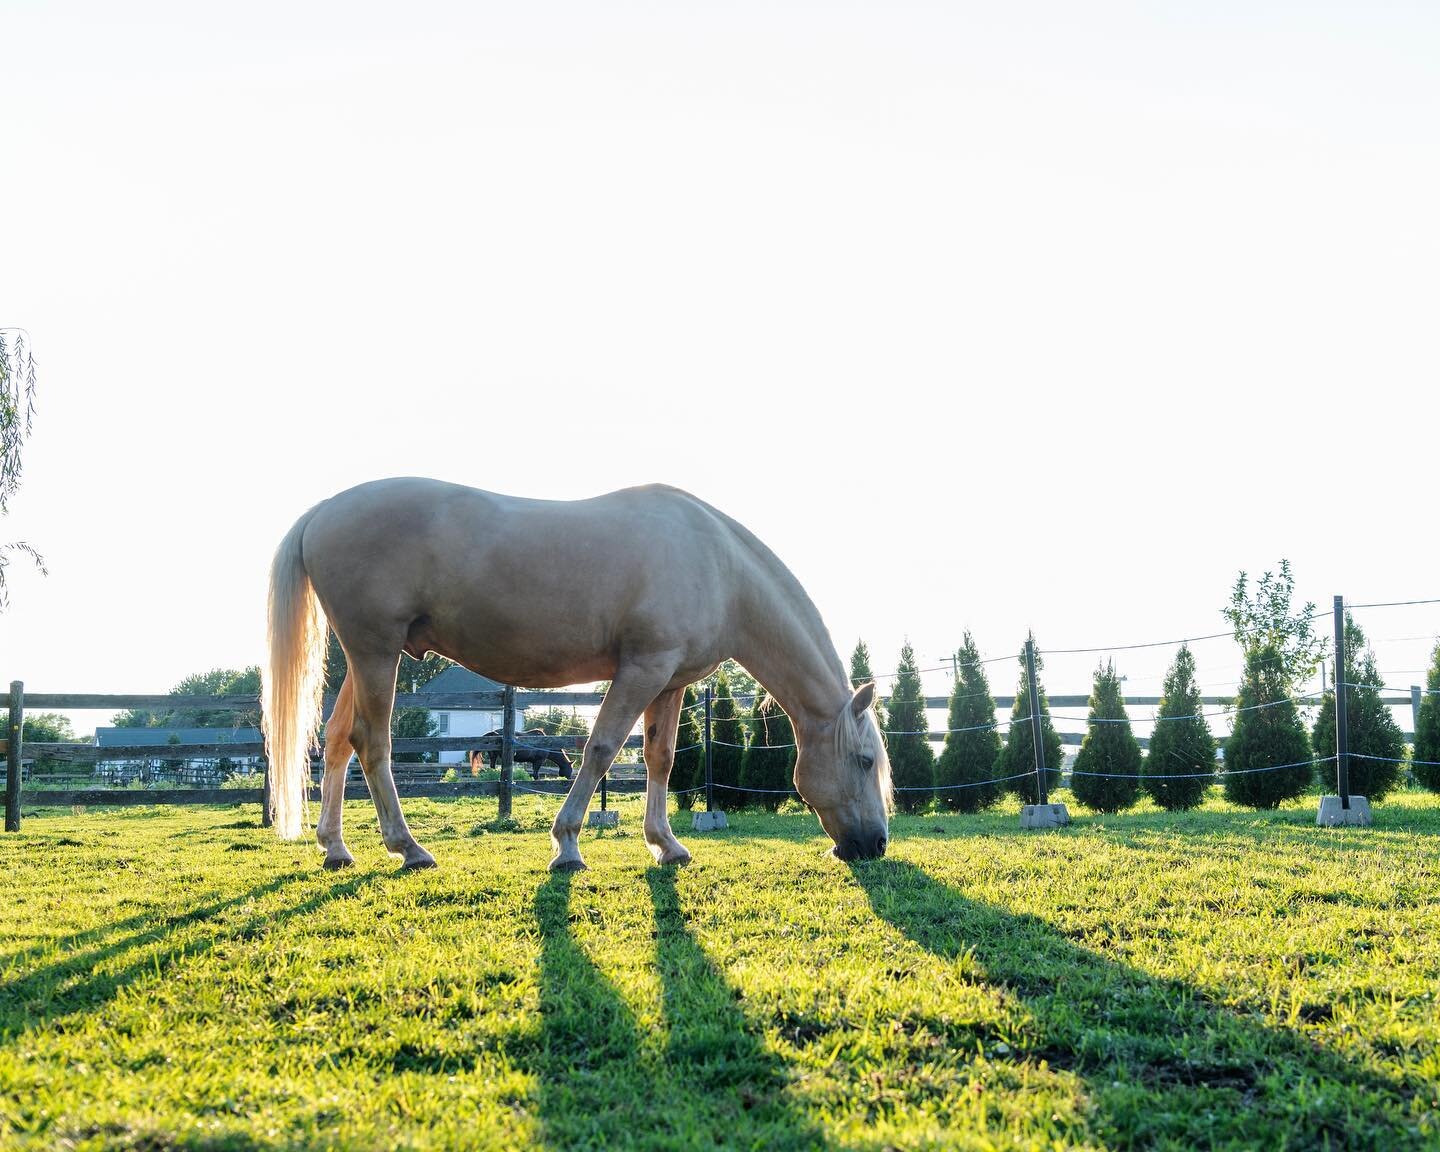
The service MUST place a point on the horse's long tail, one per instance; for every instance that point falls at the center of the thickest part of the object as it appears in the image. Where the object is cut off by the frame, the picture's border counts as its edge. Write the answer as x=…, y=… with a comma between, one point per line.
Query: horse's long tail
x=293, y=682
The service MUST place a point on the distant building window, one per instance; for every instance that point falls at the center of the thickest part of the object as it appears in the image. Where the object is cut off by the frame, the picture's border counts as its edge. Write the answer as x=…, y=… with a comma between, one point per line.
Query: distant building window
x=442, y=722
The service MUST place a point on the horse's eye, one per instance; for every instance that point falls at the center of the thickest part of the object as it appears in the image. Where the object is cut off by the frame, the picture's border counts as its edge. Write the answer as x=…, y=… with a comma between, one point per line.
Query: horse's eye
x=867, y=761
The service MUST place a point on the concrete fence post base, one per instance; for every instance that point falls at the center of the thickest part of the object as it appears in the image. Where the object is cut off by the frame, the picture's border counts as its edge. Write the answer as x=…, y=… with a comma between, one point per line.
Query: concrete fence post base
x=711, y=821
x=1044, y=816
x=1332, y=815
x=606, y=819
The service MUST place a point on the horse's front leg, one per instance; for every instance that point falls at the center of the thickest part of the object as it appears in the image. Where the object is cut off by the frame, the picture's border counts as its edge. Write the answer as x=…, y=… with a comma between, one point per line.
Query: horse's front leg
x=662, y=719
x=634, y=686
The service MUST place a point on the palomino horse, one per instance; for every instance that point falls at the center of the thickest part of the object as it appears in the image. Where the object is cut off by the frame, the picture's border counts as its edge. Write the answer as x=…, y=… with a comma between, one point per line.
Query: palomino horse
x=648, y=587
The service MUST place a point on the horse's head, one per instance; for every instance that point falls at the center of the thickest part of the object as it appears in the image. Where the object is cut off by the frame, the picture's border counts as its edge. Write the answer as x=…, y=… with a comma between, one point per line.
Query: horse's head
x=842, y=772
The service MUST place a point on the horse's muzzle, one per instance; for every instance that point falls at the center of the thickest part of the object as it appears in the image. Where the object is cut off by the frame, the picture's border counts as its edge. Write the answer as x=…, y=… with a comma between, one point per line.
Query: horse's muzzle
x=861, y=848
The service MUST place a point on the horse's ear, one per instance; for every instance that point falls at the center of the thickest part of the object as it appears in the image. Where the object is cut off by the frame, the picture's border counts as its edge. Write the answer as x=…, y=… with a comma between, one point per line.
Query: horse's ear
x=863, y=698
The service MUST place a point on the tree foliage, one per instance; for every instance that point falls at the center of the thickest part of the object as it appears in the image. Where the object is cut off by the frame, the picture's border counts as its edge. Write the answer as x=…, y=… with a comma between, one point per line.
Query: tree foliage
x=907, y=740
x=688, y=771
x=17, y=414
x=216, y=682
x=767, y=771
x=727, y=743
x=1426, y=764
x=555, y=721
x=1267, y=757
x=1266, y=619
x=965, y=771
x=1181, y=763
x=1106, y=776
x=1375, y=740
x=1017, y=756
x=860, y=673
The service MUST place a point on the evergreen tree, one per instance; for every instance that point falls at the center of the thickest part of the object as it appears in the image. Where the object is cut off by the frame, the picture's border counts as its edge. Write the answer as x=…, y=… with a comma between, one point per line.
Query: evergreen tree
x=1426, y=765
x=912, y=760
x=727, y=745
x=965, y=772
x=860, y=674
x=688, y=771
x=767, y=771
x=1181, y=763
x=1267, y=757
x=1371, y=729
x=1017, y=756
x=1106, y=776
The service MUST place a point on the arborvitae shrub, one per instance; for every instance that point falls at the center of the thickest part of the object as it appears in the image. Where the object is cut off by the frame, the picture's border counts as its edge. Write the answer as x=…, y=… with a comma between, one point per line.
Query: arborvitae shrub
x=1427, y=729
x=1267, y=757
x=689, y=769
x=965, y=772
x=860, y=674
x=907, y=742
x=1181, y=763
x=1017, y=757
x=1371, y=729
x=1106, y=776
x=767, y=771
x=727, y=745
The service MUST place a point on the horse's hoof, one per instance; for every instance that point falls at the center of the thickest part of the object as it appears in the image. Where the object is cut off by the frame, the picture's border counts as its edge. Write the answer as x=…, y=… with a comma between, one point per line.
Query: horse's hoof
x=424, y=860
x=335, y=863
x=567, y=864
x=677, y=855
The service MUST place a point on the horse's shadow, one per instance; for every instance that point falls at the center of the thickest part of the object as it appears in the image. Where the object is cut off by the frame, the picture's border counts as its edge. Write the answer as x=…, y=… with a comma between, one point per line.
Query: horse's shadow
x=1195, y=1073
x=714, y=1083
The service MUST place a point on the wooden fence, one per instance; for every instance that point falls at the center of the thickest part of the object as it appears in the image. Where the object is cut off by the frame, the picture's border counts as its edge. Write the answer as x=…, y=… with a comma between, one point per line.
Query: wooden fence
x=411, y=780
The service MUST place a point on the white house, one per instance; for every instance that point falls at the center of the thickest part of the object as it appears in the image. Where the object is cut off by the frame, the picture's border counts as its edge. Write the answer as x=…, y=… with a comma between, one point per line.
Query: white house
x=463, y=721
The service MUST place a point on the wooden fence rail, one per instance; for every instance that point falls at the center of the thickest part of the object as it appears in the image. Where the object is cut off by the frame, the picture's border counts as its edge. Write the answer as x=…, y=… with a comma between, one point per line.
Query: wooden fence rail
x=14, y=749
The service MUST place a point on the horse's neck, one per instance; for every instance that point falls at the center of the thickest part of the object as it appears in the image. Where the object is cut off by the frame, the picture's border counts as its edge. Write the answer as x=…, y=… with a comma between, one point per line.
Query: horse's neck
x=783, y=642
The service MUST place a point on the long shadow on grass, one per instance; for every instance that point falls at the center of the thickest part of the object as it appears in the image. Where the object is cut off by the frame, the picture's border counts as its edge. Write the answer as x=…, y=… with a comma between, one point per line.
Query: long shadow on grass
x=81, y=981
x=1162, y=1065
x=604, y=1083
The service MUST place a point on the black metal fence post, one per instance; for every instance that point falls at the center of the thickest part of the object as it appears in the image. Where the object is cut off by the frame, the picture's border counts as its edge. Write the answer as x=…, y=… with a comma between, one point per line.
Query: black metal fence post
x=14, y=754
x=1342, y=719
x=507, y=753
x=709, y=770
x=1041, y=792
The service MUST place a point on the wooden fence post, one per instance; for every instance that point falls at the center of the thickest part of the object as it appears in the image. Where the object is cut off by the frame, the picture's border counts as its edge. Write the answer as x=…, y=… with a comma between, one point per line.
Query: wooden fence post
x=14, y=754
x=507, y=754
x=267, y=807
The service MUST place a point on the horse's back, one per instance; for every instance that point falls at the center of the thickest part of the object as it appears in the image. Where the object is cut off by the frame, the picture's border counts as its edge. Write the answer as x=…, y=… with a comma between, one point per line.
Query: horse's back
x=505, y=574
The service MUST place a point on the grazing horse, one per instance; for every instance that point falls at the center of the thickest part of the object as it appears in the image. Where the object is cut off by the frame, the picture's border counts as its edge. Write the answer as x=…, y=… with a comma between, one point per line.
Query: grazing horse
x=648, y=587
x=533, y=754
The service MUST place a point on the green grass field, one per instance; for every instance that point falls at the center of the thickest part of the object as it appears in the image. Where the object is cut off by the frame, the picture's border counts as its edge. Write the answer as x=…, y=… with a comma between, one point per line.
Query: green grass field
x=181, y=979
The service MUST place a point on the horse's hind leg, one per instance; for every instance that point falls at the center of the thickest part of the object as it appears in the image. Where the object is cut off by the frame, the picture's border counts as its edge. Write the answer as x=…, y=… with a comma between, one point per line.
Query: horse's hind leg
x=370, y=734
x=332, y=787
x=662, y=719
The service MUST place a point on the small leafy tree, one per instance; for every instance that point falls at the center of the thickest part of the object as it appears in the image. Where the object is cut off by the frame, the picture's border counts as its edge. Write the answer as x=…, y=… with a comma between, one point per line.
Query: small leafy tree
x=555, y=721
x=1267, y=757
x=1267, y=620
x=47, y=728
x=1374, y=737
x=1106, y=776
x=17, y=413
x=860, y=674
x=768, y=768
x=907, y=740
x=1181, y=763
x=688, y=771
x=1426, y=764
x=965, y=772
x=1017, y=757
x=727, y=740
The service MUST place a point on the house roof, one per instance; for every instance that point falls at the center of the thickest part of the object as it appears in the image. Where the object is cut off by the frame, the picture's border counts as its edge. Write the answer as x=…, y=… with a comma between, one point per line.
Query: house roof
x=159, y=737
x=458, y=679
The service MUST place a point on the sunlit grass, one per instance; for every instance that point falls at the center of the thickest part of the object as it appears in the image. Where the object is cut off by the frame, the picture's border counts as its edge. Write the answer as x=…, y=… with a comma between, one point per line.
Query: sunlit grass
x=181, y=979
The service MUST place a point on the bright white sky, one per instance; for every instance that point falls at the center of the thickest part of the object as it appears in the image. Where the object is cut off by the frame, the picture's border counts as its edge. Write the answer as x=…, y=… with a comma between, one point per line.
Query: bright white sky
x=991, y=316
